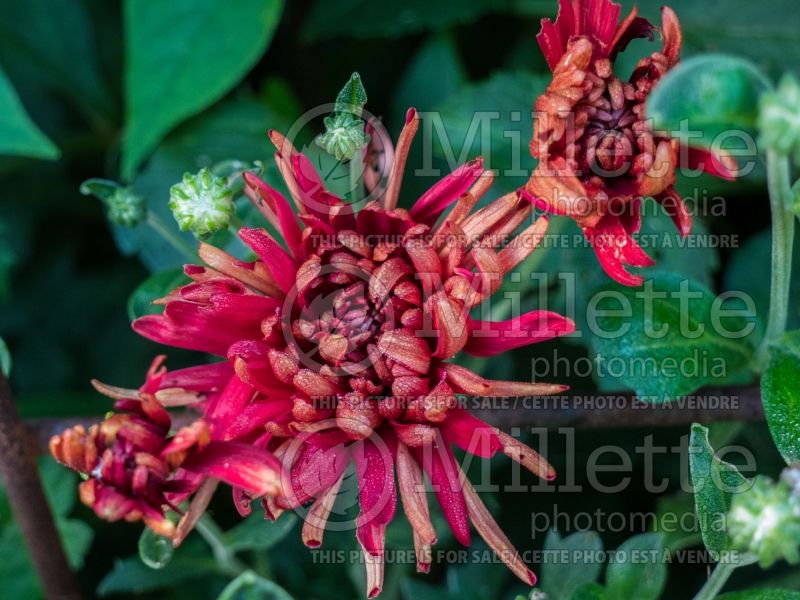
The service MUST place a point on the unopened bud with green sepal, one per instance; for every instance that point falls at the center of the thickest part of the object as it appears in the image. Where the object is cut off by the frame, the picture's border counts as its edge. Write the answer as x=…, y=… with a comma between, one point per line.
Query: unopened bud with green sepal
x=765, y=521
x=343, y=137
x=123, y=205
x=345, y=131
x=779, y=118
x=201, y=203
x=352, y=98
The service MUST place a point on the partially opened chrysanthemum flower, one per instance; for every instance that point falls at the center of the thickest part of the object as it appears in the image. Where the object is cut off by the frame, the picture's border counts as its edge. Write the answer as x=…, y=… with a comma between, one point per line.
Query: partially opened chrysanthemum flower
x=343, y=337
x=136, y=468
x=598, y=156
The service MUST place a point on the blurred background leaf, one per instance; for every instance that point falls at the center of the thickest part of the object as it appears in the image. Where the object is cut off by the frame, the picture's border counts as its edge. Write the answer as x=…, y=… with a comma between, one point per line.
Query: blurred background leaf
x=18, y=134
x=203, y=49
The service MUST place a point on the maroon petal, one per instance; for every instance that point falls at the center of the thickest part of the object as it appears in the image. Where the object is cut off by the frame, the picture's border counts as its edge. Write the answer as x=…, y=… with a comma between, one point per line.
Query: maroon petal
x=450, y=319
x=493, y=337
x=446, y=191
x=285, y=218
x=228, y=406
x=376, y=492
x=255, y=415
x=160, y=330
x=314, y=469
x=252, y=469
x=615, y=248
x=676, y=208
x=632, y=27
x=280, y=264
x=470, y=433
x=440, y=465
x=700, y=159
x=202, y=378
x=594, y=19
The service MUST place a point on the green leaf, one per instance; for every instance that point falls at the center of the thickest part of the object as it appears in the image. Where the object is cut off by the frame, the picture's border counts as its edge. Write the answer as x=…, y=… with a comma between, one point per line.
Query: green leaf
x=19, y=136
x=672, y=512
x=55, y=50
x=780, y=391
x=16, y=571
x=590, y=591
x=154, y=287
x=233, y=129
x=154, y=550
x=562, y=579
x=714, y=92
x=638, y=572
x=182, y=56
x=364, y=19
x=257, y=533
x=668, y=337
x=60, y=485
x=492, y=119
x=76, y=536
x=102, y=189
x=132, y=575
x=352, y=97
x=417, y=88
x=422, y=590
x=761, y=594
x=740, y=27
x=249, y=586
x=746, y=273
x=476, y=581
x=714, y=482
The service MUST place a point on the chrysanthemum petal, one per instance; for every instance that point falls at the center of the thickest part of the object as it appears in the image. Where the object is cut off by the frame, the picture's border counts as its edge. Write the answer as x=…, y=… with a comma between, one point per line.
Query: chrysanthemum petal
x=446, y=191
x=493, y=337
x=252, y=469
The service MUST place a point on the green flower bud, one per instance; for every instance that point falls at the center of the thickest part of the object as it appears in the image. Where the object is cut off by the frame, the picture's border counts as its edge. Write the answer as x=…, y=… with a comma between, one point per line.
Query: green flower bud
x=765, y=520
x=352, y=97
x=126, y=207
x=344, y=136
x=779, y=118
x=202, y=203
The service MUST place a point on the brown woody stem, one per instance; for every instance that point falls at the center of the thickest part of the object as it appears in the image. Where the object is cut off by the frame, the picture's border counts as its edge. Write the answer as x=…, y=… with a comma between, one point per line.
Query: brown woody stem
x=25, y=492
x=590, y=411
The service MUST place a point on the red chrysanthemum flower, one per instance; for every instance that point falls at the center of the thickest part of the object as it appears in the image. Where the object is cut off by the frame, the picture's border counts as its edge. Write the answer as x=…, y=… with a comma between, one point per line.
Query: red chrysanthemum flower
x=341, y=341
x=598, y=156
x=137, y=469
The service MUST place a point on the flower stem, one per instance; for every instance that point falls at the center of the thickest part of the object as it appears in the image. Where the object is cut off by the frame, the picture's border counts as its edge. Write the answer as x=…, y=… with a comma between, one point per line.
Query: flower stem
x=170, y=236
x=720, y=575
x=213, y=536
x=780, y=197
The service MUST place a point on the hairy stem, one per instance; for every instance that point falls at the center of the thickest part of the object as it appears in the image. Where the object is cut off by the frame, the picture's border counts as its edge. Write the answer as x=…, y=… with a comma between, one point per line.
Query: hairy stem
x=780, y=195
x=720, y=575
x=171, y=237
x=214, y=537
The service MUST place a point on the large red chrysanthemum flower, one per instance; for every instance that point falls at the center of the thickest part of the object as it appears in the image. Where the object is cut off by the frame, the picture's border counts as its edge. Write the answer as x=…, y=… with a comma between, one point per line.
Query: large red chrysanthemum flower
x=341, y=339
x=135, y=467
x=598, y=156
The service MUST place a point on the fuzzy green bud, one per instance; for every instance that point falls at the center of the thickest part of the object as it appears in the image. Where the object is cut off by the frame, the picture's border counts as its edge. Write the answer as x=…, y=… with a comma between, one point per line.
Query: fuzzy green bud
x=765, y=520
x=779, y=118
x=201, y=203
x=344, y=136
x=126, y=207
x=123, y=205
